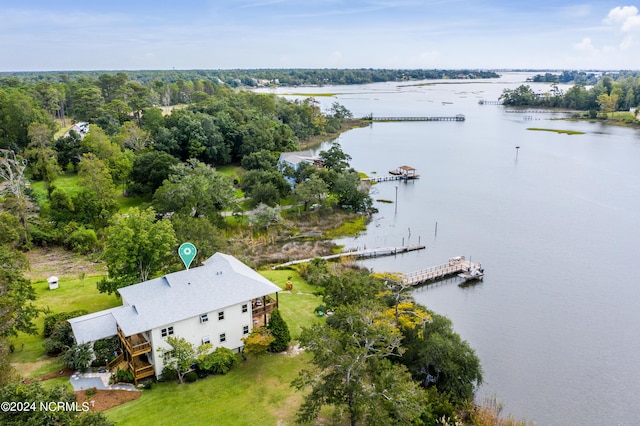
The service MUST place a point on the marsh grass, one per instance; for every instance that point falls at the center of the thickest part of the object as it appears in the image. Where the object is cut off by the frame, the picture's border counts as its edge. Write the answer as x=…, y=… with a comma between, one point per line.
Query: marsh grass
x=350, y=227
x=566, y=132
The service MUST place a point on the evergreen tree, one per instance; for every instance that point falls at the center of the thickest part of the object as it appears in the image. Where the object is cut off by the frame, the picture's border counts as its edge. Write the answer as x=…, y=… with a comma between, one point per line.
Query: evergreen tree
x=280, y=332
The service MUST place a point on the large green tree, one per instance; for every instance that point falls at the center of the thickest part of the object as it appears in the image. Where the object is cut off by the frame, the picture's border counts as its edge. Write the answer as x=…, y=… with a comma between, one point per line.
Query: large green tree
x=149, y=170
x=352, y=371
x=40, y=152
x=137, y=247
x=195, y=189
x=311, y=191
x=437, y=357
x=17, y=311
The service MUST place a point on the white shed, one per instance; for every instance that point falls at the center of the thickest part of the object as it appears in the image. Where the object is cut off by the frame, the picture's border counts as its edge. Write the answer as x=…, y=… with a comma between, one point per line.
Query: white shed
x=53, y=282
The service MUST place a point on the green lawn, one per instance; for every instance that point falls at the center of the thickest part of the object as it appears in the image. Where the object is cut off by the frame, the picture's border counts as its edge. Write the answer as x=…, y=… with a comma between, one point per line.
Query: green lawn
x=66, y=181
x=254, y=392
x=70, y=183
x=29, y=358
x=298, y=305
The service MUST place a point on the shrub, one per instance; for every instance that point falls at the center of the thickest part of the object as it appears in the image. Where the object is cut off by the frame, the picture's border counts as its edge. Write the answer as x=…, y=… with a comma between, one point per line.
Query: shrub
x=78, y=356
x=90, y=392
x=104, y=349
x=82, y=240
x=53, y=320
x=279, y=331
x=219, y=361
x=148, y=385
x=124, y=376
x=169, y=374
x=61, y=338
x=191, y=377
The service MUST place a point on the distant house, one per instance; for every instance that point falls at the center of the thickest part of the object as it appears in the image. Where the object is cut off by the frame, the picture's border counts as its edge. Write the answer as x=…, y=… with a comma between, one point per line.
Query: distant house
x=294, y=160
x=81, y=128
x=218, y=303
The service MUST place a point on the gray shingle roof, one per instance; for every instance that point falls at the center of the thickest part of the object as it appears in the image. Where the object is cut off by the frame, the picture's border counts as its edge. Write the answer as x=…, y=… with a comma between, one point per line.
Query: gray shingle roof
x=221, y=282
x=95, y=326
x=297, y=157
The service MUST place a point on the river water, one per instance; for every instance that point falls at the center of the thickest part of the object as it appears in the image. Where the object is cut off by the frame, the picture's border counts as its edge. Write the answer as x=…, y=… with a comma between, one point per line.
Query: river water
x=555, y=322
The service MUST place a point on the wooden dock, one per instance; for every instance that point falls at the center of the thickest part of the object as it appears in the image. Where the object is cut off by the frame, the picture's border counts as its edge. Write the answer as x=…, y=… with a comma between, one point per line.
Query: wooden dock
x=455, y=266
x=401, y=173
x=359, y=254
x=535, y=111
x=458, y=117
x=389, y=177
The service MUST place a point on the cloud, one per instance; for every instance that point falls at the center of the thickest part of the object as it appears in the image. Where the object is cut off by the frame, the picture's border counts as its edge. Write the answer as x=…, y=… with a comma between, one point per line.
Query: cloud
x=586, y=45
x=627, y=43
x=625, y=17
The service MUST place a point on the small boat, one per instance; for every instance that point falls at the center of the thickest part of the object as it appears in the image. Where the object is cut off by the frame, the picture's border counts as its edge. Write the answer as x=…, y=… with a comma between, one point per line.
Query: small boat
x=472, y=274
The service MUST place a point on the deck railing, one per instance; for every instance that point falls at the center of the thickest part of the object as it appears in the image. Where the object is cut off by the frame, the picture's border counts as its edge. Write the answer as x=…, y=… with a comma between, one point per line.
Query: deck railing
x=262, y=308
x=134, y=349
x=142, y=372
x=117, y=360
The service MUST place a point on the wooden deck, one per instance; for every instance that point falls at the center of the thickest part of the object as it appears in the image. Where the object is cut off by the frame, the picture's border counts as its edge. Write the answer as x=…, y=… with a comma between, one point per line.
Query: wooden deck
x=141, y=369
x=136, y=344
x=455, y=266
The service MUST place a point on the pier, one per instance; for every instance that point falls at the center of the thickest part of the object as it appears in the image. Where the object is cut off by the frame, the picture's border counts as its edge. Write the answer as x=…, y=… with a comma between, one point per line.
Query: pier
x=359, y=254
x=459, y=117
x=535, y=111
x=486, y=102
x=455, y=266
x=401, y=173
x=388, y=177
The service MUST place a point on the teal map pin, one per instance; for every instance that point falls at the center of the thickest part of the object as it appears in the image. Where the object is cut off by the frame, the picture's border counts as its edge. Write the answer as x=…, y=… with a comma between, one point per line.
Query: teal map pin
x=187, y=252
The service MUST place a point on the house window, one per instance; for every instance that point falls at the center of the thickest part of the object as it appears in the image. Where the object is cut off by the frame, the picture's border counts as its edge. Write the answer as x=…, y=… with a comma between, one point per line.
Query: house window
x=166, y=331
x=245, y=329
x=220, y=315
x=244, y=308
x=223, y=337
x=204, y=318
x=206, y=340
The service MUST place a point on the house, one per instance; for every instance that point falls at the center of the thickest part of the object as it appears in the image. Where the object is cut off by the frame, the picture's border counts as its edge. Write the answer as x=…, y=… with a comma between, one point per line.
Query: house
x=81, y=128
x=219, y=303
x=294, y=160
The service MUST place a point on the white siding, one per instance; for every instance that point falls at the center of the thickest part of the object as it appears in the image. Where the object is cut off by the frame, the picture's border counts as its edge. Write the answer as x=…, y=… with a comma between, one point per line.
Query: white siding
x=193, y=330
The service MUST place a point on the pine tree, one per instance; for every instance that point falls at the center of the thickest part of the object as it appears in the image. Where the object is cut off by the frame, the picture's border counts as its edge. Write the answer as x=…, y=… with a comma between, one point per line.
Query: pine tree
x=280, y=331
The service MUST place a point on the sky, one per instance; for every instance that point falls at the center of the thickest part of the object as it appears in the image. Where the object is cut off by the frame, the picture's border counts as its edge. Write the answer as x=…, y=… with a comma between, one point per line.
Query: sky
x=66, y=35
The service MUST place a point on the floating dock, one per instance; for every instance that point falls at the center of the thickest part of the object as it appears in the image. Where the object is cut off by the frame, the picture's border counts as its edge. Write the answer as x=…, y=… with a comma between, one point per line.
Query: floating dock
x=455, y=266
x=359, y=254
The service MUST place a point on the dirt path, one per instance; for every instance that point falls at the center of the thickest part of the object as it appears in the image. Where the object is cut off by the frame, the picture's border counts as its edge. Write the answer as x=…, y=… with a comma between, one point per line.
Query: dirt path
x=45, y=262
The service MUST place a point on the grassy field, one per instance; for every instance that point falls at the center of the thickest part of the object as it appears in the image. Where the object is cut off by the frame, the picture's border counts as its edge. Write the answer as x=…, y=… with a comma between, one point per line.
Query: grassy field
x=254, y=392
x=29, y=358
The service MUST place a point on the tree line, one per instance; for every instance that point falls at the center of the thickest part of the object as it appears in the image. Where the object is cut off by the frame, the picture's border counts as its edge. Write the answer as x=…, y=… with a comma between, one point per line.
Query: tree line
x=251, y=77
x=607, y=95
